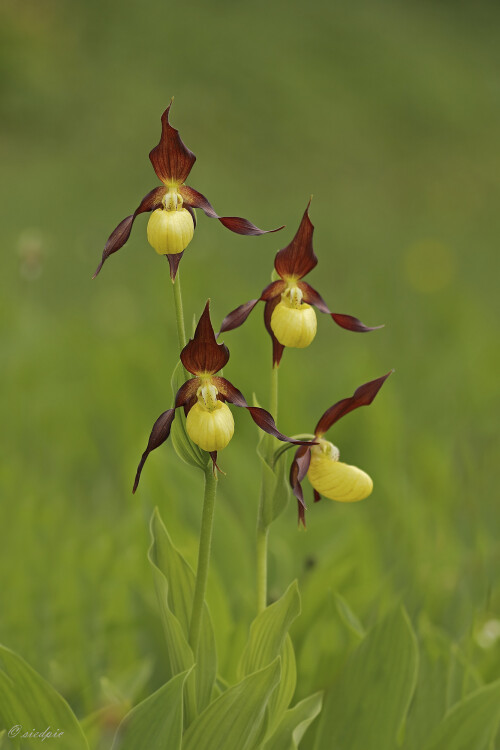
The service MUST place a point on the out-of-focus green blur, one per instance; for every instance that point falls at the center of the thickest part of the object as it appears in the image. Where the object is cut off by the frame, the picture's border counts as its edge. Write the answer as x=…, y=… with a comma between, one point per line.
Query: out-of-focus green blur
x=389, y=114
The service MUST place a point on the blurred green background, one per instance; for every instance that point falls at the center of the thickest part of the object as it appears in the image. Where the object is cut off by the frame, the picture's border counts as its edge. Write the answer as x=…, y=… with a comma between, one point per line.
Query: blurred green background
x=388, y=113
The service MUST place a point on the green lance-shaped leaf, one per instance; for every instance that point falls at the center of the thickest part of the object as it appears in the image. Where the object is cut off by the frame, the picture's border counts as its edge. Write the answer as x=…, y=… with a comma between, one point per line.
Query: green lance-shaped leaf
x=188, y=451
x=470, y=723
x=156, y=723
x=348, y=617
x=234, y=720
x=269, y=638
x=294, y=723
x=30, y=702
x=175, y=581
x=368, y=704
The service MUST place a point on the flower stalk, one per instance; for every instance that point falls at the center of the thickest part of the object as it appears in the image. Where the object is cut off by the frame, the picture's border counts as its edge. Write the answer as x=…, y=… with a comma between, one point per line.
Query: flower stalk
x=207, y=522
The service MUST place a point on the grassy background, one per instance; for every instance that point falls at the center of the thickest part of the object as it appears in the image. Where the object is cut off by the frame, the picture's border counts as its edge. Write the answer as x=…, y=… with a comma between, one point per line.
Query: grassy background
x=389, y=113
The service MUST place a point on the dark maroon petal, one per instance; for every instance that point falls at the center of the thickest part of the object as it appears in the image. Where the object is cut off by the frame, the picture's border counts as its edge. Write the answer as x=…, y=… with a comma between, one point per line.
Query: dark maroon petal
x=298, y=470
x=171, y=159
x=298, y=258
x=213, y=456
x=353, y=324
x=202, y=354
x=240, y=226
x=363, y=396
x=312, y=297
x=229, y=392
x=261, y=417
x=173, y=260
x=159, y=433
x=278, y=348
x=187, y=392
x=120, y=235
x=264, y=420
x=237, y=317
x=317, y=496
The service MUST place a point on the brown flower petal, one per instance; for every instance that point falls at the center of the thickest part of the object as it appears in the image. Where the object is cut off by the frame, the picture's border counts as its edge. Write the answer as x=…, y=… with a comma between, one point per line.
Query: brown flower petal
x=261, y=417
x=202, y=354
x=298, y=258
x=240, y=226
x=298, y=471
x=171, y=159
x=237, y=317
x=121, y=234
x=278, y=348
x=159, y=433
x=363, y=396
x=317, y=496
x=312, y=297
x=161, y=428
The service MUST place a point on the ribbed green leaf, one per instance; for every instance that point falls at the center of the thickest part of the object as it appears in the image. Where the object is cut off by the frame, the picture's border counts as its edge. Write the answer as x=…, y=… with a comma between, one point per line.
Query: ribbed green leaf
x=348, y=617
x=269, y=638
x=156, y=723
x=471, y=723
x=174, y=582
x=234, y=720
x=268, y=631
x=294, y=724
x=29, y=701
x=367, y=706
x=183, y=445
x=181, y=583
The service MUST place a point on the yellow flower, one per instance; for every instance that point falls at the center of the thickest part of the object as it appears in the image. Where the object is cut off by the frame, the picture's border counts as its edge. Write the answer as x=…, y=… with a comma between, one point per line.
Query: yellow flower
x=320, y=462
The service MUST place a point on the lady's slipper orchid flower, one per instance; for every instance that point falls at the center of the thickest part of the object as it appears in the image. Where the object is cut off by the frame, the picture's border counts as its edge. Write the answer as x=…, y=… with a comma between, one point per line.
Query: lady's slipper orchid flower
x=209, y=422
x=288, y=315
x=172, y=223
x=329, y=476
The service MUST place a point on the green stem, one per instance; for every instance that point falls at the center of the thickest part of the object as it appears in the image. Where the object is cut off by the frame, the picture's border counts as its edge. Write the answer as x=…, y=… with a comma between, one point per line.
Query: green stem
x=179, y=312
x=203, y=557
x=262, y=526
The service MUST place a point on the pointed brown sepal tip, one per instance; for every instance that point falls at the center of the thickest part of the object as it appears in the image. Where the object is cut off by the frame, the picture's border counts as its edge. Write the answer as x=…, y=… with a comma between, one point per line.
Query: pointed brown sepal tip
x=298, y=258
x=202, y=354
x=171, y=159
x=173, y=260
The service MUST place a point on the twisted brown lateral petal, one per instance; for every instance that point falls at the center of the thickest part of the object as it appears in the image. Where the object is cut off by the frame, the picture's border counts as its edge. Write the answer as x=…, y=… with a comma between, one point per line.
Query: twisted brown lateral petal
x=202, y=354
x=121, y=234
x=171, y=159
x=363, y=396
x=298, y=258
x=237, y=317
x=159, y=433
x=312, y=297
x=161, y=428
x=261, y=417
x=298, y=470
x=278, y=348
x=240, y=226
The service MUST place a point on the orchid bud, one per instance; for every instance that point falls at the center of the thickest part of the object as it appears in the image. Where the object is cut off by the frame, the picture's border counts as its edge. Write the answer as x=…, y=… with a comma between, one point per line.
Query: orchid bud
x=170, y=231
x=210, y=423
x=336, y=480
x=293, y=322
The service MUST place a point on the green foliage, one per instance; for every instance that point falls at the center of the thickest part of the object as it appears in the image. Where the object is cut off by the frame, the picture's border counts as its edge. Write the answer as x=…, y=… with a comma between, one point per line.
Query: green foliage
x=174, y=581
x=30, y=702
x=245, y=704
x=157, y=722
x=472, y=722
x=368, y=703
x=294, y=723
